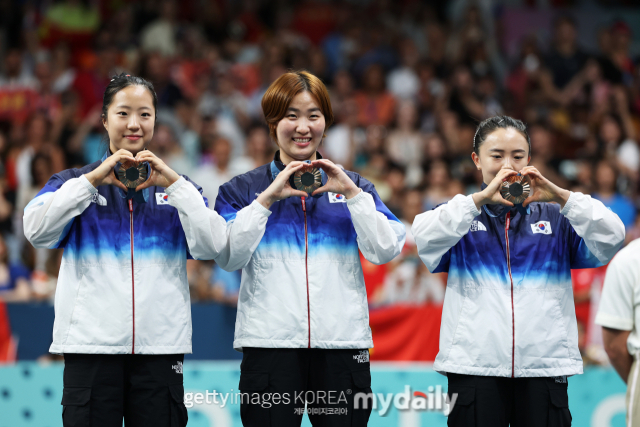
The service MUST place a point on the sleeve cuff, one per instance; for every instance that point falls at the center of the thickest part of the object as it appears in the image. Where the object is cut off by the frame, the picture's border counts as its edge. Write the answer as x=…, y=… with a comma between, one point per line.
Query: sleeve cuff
x=173, y=187
x=614, y=322
x=472, y=206
x=88, y=185
x=354, y=199
x=570, y=202
x=261, y=209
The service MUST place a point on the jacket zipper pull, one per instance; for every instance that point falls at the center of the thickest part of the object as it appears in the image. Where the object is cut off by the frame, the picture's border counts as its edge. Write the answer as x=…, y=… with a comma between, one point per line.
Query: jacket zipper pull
x=508, y=222
x=304, y=205
x=130, y=205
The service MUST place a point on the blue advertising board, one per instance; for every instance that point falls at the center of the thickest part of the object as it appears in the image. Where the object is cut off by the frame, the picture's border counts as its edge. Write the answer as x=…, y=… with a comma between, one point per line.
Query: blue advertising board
x=30, y=395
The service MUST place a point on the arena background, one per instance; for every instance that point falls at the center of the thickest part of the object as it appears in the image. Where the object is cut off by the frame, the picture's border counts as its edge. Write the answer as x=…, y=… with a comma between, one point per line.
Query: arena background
x=409, y=80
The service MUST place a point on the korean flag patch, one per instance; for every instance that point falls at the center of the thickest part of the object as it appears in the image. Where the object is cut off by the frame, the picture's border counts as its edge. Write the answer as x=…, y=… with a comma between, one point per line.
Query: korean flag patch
x=336, y=198
x=541, y=227
x=162, y=199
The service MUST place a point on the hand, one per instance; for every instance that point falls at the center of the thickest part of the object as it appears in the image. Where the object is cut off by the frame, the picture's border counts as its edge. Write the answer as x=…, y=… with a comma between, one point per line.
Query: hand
x=105, y=173
x=491, y=194
x=280, y=188
x=543, y=190
x=160, y=174
x=337, y=180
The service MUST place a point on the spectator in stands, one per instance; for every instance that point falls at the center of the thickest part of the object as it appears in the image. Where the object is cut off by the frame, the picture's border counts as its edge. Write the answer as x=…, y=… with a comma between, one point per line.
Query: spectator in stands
x=15, y=278
x=606, y=177
x=565, y=59
x=376, y=106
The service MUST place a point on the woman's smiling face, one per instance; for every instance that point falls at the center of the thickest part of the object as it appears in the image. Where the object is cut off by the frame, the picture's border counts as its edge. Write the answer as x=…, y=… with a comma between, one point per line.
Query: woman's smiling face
x=130, y=119
x=301, y=130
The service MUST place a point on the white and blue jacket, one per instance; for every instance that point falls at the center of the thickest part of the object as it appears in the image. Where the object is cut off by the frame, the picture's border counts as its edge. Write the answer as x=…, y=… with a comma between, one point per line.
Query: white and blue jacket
x=302, y=283
x=508, y=308
x=122, y=286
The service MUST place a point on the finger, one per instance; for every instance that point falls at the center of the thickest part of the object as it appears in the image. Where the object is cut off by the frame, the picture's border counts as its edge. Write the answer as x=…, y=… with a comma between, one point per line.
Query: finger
x=324, y=189
x=505, y=173
x=145, y=155
x=529, y=200
x=121, y=186
x=297, y=193
x=148, y=182
x=294, y=164
x=123, y=151
x=324, y=161
x=287, y=173
x=288, y=191
x=505, y=202
x=532, y=172
x=111, y=162
x=116, y=182
x=501, y=177
x=324, y=164
x=121, y=157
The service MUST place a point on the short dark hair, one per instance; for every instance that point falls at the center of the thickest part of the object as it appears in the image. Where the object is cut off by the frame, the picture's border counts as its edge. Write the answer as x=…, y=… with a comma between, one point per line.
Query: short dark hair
x=120, y=82
x=488, y=126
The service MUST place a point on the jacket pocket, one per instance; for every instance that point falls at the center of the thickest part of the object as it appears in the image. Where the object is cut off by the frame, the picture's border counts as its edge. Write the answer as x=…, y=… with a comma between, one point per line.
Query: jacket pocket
x=361, y=379
x=76, y=408
x=253, y=381
x=179, y=416
x=462, y=413
x=252, y=385
x=559, y=414
x=361, y=384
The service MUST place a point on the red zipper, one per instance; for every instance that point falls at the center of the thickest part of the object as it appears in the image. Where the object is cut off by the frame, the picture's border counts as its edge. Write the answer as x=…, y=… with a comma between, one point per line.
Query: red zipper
x=306, y=267
x=513, y=315
x=133, y=298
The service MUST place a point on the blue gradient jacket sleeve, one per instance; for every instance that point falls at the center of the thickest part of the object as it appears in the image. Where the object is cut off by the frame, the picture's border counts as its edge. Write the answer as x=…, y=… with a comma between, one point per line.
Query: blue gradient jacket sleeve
x=204, y=229
x=438, y=230
x=49, y=216
x=246, y=223
x=595, y=234
x=381, y=235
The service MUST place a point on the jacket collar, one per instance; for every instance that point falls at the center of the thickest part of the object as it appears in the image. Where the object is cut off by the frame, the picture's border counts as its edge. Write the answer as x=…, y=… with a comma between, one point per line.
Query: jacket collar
x=137, y=196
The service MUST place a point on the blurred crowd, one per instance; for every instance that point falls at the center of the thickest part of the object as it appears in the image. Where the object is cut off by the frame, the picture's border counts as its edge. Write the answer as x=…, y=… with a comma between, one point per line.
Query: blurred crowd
x=409, y=81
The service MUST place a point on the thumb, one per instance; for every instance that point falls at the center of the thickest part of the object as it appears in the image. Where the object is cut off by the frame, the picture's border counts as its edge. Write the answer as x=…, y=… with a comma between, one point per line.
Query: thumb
x=529, y=200
x=148, y=182
x=118, y=184
x=322, y=189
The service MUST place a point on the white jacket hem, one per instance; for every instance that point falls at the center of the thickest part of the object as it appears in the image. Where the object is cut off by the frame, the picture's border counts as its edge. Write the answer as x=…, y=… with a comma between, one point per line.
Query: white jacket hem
x=573, y=369
x=333, y=345
x=119, y=349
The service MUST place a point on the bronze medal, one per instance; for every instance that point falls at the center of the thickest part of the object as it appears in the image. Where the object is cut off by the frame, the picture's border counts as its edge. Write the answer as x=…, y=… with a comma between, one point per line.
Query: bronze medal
x=132, y=174
x=516, y=189
x=307, y=180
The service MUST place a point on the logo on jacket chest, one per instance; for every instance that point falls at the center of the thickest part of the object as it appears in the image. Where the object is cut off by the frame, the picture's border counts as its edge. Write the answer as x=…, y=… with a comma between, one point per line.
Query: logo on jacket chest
x=477, y=226
x=336, y=198
x=541, y=227
x=162, y=199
